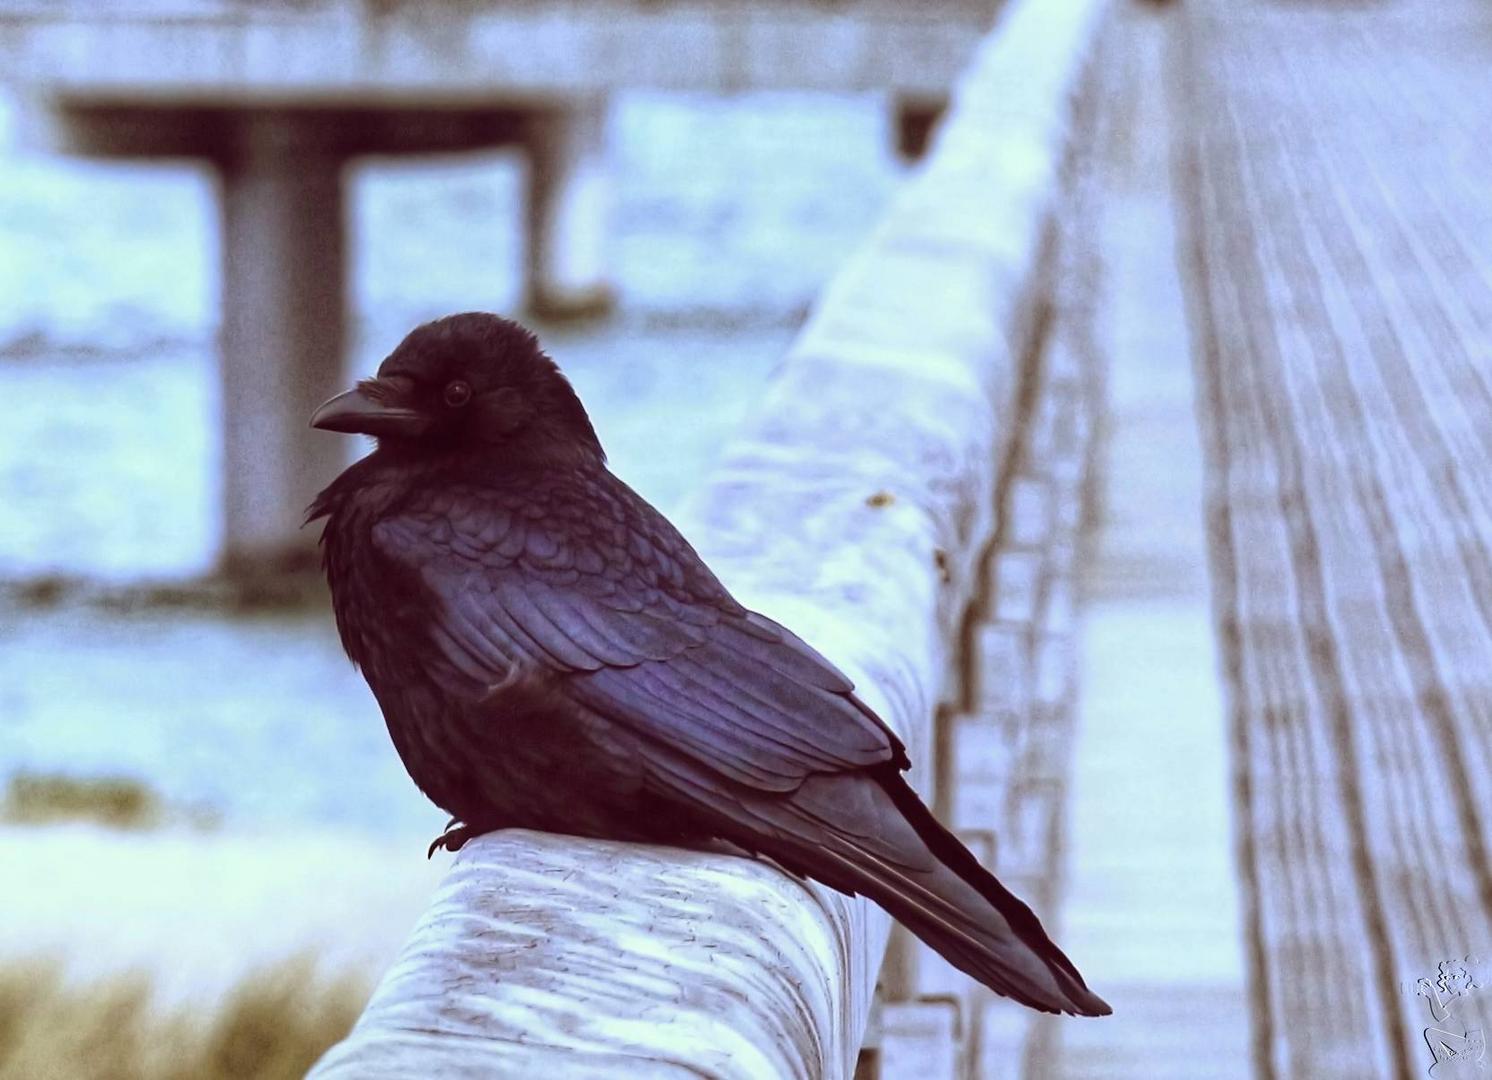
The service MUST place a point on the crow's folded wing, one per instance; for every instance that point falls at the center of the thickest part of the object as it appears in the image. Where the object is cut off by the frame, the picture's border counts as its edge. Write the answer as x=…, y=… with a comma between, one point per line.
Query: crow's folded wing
x=598, y=589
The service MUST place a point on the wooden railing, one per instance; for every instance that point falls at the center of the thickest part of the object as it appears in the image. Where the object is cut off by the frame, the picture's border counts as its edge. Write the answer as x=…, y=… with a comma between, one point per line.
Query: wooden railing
x=859, y=506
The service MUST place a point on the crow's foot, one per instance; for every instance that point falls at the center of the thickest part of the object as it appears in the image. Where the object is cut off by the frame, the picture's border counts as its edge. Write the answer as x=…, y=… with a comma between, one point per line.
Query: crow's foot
x=454, y=838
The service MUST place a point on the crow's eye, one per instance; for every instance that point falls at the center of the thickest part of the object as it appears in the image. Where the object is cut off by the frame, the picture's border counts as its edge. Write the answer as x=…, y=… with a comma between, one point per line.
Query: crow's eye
x=457, y=394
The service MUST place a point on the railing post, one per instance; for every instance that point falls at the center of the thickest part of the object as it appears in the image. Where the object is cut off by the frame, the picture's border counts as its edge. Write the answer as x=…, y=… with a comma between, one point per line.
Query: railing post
x=915, y=118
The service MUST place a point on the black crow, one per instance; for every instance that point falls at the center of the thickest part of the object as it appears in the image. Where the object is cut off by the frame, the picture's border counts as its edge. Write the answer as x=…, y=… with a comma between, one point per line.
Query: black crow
x=550, y=653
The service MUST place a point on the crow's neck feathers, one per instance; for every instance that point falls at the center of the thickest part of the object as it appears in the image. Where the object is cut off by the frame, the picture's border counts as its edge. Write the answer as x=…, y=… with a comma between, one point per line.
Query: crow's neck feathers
x=379, y=482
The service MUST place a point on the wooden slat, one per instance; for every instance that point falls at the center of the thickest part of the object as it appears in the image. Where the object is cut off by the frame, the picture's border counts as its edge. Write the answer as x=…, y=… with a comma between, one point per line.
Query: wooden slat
x=1343, y=280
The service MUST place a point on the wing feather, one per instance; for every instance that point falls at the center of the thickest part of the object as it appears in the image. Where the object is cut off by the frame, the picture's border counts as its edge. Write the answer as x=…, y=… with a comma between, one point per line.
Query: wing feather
x=634, y=627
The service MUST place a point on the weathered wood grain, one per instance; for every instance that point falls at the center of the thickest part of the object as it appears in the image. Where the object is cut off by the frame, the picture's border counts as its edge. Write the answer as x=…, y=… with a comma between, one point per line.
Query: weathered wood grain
x=856, y=507
x=1340, y=226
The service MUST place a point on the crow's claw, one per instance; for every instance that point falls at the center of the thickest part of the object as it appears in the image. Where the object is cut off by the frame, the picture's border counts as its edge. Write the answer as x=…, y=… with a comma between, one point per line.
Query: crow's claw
x=453, y=839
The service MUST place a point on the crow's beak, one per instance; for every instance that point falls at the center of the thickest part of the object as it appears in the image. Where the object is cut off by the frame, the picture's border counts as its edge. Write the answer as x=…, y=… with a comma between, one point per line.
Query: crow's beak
x=369, y=409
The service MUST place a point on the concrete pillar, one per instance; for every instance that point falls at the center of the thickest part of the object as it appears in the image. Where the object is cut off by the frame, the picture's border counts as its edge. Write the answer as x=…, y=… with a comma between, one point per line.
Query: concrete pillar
x=569, y=204
x=282, y=334
x=283, y=258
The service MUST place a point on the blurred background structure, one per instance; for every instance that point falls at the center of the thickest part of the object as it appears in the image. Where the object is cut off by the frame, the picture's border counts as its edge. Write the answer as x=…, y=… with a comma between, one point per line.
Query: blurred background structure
x=1236, y=635
x=279, y=99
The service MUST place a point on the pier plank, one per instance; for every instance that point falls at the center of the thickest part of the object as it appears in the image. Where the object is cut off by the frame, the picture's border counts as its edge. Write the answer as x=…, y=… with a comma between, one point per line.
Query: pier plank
x=1340, y=245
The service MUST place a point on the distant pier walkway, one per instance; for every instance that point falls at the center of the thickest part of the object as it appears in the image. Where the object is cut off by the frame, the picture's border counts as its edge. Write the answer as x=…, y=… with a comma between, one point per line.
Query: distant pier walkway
x=1339, y=213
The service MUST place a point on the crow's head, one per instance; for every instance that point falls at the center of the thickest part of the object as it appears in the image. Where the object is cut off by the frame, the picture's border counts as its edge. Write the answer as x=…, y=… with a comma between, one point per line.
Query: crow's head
x=467, y=383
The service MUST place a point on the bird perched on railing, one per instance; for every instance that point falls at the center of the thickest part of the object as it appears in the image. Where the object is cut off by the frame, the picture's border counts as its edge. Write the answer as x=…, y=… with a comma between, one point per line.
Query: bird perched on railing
x=550, y=653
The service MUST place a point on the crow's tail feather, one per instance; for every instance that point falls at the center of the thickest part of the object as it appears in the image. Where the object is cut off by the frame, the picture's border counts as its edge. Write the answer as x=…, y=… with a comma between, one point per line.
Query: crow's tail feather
x=907, y=862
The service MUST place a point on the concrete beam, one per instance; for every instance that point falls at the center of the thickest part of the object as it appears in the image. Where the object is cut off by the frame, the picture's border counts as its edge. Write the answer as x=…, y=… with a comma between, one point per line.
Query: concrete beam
x=163, y=129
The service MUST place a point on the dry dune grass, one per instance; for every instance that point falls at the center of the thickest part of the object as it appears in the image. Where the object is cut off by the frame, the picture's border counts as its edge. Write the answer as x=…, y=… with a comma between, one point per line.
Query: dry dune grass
x=273, y=1026
x=42, y=798
x=121, y=802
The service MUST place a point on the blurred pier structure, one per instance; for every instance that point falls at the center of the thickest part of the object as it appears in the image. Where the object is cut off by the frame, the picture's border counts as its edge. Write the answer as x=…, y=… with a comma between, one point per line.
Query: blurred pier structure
x=279, y=96
x=1339, y=221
